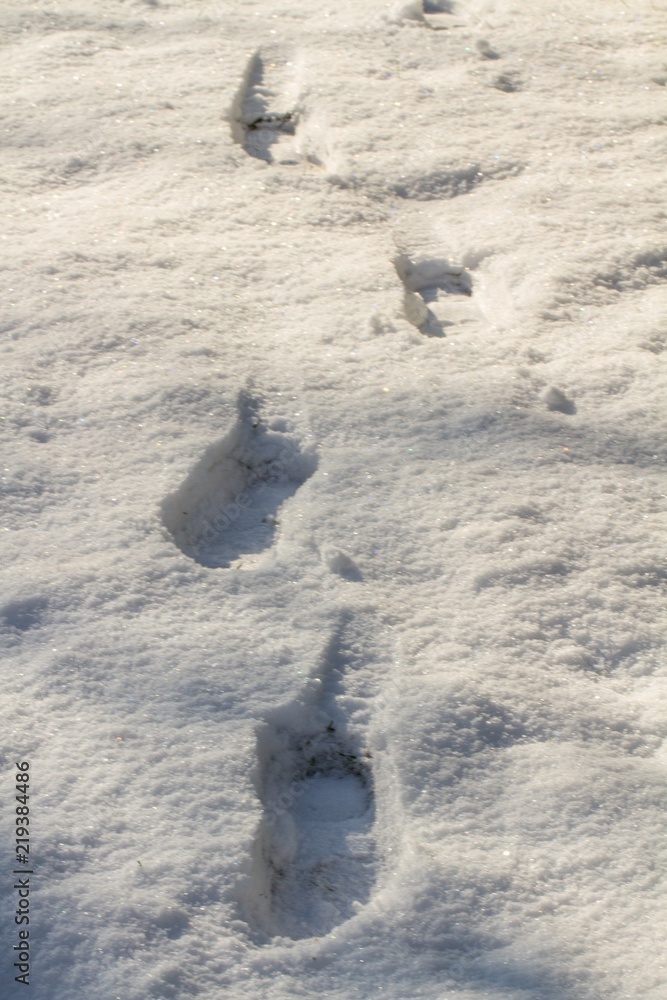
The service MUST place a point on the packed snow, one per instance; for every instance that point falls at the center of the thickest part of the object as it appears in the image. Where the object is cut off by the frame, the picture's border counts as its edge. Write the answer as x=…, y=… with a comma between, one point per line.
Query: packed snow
x=333, y=592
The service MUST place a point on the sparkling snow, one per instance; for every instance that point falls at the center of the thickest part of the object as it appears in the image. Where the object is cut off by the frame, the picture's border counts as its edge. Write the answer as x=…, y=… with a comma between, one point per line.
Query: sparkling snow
x=334, y=587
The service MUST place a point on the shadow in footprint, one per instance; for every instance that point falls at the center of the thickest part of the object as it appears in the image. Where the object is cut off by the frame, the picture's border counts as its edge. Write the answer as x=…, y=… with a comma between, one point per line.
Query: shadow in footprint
x=25, y=614
x=313, y=860
x=228, y=507
x=499, y=977
x=509, y=83
x=415, y=11
x=342, y=564
x=258, y=123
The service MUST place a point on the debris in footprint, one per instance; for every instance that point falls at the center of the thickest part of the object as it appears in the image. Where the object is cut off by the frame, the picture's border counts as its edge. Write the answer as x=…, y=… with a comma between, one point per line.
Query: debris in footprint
x=264, y=115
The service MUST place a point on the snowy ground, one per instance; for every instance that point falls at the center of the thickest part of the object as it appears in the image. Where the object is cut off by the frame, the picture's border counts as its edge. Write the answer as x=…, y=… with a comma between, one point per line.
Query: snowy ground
x=333, y=590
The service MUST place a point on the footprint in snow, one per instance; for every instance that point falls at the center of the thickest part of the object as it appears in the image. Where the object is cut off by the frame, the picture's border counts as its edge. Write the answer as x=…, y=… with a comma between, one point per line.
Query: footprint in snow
x=415, y=11
x=314, y=855
x=228, y=507
x=265, y=113
x=434, y=292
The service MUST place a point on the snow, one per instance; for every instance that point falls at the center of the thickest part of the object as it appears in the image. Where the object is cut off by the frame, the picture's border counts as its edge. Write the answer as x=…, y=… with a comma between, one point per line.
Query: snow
x=333, y=591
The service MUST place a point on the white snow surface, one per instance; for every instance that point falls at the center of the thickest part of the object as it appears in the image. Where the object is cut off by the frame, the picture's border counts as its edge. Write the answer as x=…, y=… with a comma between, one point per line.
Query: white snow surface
x=333, y=581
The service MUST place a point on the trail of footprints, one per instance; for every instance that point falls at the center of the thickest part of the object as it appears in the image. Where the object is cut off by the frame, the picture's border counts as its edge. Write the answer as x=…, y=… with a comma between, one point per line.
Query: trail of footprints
x=314, y=857
x=266, y=119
